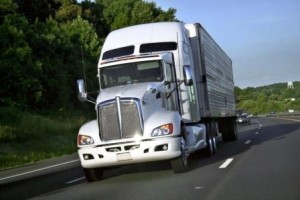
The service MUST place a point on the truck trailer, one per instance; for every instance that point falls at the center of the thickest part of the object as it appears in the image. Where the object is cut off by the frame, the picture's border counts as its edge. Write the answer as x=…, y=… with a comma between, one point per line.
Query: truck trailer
x=166, y=90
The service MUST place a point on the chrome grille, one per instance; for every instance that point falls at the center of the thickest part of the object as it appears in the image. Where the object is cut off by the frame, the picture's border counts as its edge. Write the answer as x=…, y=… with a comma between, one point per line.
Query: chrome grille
x=129, y=124
x=130, y=119
x=109, y=122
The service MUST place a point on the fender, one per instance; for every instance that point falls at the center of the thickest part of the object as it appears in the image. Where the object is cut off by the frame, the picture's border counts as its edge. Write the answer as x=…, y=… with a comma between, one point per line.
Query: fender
x=91, y=129
x=160, y=118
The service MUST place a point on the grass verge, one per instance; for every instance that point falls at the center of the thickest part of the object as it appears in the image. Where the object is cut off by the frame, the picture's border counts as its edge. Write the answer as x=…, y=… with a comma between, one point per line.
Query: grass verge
x=27, y=138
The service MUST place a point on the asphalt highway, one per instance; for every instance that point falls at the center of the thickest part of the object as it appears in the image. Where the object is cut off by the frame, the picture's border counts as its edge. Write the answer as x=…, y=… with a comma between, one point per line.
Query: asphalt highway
x=263, y=164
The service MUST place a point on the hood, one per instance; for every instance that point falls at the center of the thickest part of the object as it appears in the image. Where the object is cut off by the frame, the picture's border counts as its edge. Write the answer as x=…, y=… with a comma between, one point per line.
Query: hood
x=137, y=90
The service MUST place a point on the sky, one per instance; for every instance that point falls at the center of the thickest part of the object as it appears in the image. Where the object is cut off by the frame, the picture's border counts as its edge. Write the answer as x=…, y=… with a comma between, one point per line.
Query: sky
x=262, y=37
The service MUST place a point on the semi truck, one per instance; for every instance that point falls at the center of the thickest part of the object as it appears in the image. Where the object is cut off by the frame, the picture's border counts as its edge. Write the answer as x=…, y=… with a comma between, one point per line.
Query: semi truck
x=166, y=90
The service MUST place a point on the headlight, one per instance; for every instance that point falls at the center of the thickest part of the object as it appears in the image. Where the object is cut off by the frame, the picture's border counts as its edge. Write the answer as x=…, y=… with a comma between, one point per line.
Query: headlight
x=84, y=140
x=166, y=129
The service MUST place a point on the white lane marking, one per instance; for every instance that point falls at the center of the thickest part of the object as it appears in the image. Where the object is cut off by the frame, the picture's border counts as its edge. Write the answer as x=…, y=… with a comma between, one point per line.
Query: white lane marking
x=259, y=124
x=226, y=163
x=256, y=133
x=37, y=170
x=199, y=188
x=248, y=142
x=73, y=181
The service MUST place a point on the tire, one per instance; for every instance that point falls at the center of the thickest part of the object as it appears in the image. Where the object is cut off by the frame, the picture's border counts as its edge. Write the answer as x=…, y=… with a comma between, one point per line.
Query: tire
x=214, y=143
x=180, y=164
x=210, y=141
x=94, y=174
x=214, y=139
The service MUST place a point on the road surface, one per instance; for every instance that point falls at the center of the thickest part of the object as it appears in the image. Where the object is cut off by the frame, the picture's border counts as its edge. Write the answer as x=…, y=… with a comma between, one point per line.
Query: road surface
x=263, y=164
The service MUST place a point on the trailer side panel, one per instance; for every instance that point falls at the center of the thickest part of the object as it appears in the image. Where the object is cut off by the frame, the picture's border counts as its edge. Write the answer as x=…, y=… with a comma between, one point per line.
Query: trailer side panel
x=213, y=74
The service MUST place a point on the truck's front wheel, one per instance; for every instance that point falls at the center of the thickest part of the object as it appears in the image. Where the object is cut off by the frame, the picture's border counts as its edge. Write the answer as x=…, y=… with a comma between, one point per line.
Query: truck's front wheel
x=181, y=164
x=94, y=174
x=211, y=142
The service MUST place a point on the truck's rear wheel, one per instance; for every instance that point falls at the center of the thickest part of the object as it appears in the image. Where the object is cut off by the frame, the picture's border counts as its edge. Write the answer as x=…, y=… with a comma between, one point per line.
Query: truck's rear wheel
x=94, y=174
x=181, y=164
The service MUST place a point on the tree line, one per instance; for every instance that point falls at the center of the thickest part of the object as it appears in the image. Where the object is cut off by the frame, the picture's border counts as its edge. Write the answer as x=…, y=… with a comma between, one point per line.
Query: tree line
x=272, y=98
x=44, y=45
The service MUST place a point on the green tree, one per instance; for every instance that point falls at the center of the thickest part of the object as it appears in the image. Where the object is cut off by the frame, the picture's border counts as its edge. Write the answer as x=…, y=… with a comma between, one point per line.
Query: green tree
x=38, y=9
x=248, y=105
x=7, y=7
x=289, y=93
x=81, y=32
x=93, y=12
x=19, y=83
x=68, y=11
x=54, y=77
x=237, y=94
x=121, y=13
x=85, y=46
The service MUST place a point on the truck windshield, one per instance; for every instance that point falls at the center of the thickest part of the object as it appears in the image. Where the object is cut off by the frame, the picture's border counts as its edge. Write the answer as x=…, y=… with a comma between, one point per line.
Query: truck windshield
x=150, y=71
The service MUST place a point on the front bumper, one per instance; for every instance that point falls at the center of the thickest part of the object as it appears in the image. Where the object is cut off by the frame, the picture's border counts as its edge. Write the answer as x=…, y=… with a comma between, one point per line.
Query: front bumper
x=130, y=152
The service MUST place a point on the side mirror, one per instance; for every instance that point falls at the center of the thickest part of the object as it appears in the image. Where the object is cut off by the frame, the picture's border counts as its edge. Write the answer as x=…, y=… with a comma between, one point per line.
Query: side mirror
x=187, y=74
x=82, y=95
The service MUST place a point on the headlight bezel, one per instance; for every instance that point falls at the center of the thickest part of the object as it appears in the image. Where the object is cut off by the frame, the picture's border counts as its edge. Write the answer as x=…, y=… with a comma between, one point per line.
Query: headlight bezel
x=83, y=140
x=163, y=130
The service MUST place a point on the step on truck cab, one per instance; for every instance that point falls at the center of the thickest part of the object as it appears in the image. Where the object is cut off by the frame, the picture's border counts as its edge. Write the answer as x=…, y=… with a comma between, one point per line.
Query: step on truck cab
x=166, y=91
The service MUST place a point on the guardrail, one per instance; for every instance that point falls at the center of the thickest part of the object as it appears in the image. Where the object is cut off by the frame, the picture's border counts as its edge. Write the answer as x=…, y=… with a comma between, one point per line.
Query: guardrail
x=286, y=115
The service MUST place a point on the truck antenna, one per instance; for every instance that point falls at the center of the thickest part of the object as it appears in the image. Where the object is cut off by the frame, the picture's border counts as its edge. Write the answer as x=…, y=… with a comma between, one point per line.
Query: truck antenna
x=179, y=61
x=83, y=67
